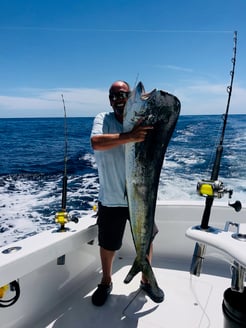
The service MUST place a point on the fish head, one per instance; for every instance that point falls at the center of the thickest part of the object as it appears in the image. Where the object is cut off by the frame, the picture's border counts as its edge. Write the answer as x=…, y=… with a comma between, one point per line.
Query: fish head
x=133, y=106
x=135, y=109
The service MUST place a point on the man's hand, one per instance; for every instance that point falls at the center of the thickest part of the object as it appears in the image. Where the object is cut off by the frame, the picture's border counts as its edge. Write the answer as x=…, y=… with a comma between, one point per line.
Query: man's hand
x=139, y=133
x=108, y=141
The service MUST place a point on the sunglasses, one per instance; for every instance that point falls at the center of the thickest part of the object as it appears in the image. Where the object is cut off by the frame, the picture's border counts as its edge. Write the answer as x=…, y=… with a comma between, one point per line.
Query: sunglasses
x=121, y=95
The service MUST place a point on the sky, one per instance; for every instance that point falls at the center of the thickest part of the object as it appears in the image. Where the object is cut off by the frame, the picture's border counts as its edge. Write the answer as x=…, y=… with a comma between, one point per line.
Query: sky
x=77, y=48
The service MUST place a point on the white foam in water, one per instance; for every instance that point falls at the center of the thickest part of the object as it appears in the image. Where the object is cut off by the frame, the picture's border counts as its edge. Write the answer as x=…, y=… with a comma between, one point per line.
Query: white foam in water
x=20, y=219
x=28, y=207
x=17, y=209
x=28, y=204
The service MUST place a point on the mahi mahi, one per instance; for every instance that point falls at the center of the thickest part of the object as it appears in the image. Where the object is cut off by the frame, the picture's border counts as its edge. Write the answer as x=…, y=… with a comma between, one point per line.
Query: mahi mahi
x=144, y=162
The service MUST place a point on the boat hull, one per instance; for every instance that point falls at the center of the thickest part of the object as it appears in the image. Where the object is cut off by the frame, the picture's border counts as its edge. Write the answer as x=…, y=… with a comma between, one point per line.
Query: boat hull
x=55, y=295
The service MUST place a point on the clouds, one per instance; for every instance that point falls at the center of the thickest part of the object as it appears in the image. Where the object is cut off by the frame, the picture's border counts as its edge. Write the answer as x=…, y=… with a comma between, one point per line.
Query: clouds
x=200, y=91
x=48, y=103
x=205, y=98
x=175, y=68
x=197, y=97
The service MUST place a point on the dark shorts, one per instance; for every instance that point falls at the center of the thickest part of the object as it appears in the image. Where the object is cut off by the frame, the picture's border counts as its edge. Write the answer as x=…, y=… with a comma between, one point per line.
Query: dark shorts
x=111, y=226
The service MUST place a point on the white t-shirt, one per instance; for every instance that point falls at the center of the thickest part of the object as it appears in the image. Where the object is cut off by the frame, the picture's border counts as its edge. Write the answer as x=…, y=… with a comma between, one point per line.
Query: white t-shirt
x=110, y=163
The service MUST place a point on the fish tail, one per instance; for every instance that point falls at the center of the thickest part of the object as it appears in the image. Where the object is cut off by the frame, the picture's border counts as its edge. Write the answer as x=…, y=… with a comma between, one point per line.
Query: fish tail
x=154, y=291
x=135, y=269
x=143, y=267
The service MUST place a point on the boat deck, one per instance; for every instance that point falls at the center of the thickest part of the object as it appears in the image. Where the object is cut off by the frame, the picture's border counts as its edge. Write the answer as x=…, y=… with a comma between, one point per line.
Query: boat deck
x=189, y=302
x=55, y=295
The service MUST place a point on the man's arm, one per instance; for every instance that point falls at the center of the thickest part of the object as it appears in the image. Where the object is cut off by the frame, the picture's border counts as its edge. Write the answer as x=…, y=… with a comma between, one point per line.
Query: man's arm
x=108, y=141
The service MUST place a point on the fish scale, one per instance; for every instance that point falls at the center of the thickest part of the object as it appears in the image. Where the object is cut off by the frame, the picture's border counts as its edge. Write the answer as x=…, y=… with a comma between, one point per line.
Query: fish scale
x=144, y=161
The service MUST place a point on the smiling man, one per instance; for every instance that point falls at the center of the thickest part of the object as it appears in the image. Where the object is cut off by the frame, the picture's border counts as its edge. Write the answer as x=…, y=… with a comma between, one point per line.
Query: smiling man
x=108, y=140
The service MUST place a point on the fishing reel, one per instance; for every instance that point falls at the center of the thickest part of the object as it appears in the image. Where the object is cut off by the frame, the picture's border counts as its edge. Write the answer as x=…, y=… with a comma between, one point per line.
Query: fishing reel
x=212, y=188
x=8, y=290
x=62, y=218
x=216, y=189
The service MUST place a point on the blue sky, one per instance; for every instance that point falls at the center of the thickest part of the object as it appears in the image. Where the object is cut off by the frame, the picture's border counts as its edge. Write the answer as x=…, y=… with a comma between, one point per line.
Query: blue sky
x=78, y=48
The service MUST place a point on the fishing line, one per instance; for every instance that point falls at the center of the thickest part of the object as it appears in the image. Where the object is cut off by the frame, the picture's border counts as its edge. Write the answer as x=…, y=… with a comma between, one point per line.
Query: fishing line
x=214, y=188
x=62, y=217
x=197, y=302
x=220, y=256
x=64, y=180
x=131, y=301
x=70, y=29
x=219, y=150
x=136, y=80
x=215, y=143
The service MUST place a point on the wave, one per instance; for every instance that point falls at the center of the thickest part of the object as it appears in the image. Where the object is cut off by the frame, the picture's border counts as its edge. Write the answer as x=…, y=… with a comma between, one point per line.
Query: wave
x=31, y=180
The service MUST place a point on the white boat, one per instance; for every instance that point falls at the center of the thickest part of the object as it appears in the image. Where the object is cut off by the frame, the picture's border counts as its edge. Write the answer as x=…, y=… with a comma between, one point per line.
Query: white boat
x=57, y=273
x=47, y=280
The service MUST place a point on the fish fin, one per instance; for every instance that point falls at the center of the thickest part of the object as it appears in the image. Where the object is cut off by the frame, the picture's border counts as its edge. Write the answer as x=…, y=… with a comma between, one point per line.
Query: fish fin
x=135, y=269
x=148, y=273
x=138, y=91
x=154, y=292
x=143, y=267
x=140, y=88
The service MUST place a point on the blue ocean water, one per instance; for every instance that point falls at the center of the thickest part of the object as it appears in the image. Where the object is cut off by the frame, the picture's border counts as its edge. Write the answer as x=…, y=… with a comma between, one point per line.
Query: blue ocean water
x=32, y=166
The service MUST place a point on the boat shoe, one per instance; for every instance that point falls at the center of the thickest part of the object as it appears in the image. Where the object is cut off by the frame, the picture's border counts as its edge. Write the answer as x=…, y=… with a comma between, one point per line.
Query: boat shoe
x=146, y=287
x=101, y=294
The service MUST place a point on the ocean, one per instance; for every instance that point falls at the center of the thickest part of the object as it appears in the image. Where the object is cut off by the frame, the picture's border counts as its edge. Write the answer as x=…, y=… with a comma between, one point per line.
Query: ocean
x=32, y=166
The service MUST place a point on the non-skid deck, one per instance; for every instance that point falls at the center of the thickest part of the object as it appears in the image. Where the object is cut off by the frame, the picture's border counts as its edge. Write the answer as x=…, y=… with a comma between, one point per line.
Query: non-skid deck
x=190, y=302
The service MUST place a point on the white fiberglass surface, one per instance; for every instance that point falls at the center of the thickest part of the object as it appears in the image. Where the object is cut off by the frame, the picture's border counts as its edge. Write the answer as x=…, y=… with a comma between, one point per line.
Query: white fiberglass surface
x=189, y=302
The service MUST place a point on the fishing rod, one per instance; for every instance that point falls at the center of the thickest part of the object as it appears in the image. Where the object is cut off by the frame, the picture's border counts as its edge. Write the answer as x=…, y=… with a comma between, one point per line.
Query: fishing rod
x=214, y=188
x=62, y=217
x=64, y=179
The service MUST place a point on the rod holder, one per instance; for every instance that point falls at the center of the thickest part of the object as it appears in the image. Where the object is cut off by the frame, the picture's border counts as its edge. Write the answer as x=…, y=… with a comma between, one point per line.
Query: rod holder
x=197, y=259
x=237, y=279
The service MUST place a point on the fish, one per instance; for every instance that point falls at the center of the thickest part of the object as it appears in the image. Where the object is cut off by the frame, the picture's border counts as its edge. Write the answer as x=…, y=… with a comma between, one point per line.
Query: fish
x=143, y=164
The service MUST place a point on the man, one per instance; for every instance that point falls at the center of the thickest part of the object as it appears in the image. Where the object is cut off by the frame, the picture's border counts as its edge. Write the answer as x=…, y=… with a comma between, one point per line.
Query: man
x=107, y=140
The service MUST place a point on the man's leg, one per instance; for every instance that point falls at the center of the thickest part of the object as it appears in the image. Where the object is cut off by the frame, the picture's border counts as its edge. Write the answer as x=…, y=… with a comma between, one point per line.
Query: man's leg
x=105, y=287
x=107, y=258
